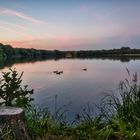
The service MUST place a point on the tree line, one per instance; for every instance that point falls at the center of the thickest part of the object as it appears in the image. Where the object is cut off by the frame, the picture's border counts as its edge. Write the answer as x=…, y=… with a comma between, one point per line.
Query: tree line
x=8, y=52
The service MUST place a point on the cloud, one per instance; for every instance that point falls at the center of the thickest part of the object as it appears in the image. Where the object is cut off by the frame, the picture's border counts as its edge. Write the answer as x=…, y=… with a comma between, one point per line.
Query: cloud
x=13, y=25
x=16, y=32
x=10, y=12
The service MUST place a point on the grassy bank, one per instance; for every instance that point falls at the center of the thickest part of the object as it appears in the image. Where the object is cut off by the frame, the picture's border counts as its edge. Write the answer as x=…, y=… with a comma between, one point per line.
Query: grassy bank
x=119, y=118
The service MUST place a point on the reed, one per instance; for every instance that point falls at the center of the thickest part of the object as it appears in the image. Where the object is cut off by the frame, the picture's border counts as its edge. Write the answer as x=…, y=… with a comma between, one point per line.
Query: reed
x=119, y=118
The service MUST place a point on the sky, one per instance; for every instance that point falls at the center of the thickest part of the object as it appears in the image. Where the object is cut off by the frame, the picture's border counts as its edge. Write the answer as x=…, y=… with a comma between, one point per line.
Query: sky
x=70, y=24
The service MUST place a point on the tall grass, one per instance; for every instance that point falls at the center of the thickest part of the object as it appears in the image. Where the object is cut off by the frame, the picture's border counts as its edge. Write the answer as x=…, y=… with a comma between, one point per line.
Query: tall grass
x=119, y=118
x=122, y=111
x=41, y=121
x=127, y=105
x=6, y=133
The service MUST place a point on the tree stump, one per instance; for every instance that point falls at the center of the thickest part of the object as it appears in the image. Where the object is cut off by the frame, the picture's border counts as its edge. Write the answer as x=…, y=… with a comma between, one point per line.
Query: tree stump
x=13, y=118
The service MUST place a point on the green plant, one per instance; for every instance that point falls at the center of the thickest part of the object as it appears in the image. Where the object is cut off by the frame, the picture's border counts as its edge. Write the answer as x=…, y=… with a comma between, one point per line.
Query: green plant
x=11, y=91
x=6, y=133
x=119, y=118
x=127, y=104
x=40, y=122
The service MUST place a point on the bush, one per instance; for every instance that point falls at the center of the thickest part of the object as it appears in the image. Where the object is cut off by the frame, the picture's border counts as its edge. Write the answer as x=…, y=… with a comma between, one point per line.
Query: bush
x=11, y=91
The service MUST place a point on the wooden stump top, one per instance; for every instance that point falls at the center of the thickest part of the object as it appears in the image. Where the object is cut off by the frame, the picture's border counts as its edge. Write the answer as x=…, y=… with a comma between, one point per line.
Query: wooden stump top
x=10, y=111
x=13, y=117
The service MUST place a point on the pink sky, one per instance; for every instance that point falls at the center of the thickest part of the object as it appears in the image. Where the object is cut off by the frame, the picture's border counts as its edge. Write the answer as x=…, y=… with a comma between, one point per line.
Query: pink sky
x=69, y=25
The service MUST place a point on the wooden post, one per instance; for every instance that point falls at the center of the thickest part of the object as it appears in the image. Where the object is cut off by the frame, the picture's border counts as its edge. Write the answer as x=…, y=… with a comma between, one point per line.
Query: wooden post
x=13, y=118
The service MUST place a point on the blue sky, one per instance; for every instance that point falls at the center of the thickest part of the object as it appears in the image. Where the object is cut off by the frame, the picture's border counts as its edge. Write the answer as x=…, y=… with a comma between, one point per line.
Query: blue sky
x=70, y=24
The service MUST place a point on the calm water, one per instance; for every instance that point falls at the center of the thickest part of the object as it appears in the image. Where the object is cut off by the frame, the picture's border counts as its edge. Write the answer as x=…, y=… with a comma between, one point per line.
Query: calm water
x=75, y=86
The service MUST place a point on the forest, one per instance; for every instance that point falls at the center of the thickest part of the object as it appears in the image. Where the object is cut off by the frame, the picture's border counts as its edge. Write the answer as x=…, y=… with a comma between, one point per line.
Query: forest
x=7, y=52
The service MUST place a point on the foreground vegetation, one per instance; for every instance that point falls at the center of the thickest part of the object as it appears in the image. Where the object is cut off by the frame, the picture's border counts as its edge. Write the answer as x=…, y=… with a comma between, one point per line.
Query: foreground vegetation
x=119, y=117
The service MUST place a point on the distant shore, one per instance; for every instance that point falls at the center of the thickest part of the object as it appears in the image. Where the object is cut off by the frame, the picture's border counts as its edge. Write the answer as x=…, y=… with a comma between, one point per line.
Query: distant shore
x=8, y=52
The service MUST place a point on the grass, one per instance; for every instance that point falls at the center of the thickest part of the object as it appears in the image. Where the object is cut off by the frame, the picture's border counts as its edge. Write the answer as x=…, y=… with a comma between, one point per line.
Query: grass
x=119, y=118
x=6, y=133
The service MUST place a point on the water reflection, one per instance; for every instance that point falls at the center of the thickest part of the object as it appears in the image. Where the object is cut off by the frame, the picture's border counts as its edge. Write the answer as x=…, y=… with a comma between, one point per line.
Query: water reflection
x=11, y=62
x=74, y=86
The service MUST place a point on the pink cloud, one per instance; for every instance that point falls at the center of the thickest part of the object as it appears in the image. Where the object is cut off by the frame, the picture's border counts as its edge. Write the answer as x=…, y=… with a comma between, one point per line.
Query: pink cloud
x=51, y=43
x=13, y=25
x=10, y=12
x=16, y=32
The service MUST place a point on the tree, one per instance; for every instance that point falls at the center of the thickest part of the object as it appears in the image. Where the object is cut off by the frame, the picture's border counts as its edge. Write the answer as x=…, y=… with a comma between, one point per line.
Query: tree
x=125, y=48
x=11, y=91
x=2, y=55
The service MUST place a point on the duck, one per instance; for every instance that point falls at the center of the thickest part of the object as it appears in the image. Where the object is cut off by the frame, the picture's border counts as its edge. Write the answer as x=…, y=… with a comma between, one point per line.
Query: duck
x=56, y=71
x=85, y=69
x=59, y=72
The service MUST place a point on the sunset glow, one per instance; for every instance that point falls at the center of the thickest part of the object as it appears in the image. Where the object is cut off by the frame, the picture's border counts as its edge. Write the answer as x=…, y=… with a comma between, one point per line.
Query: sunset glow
x=70, y=25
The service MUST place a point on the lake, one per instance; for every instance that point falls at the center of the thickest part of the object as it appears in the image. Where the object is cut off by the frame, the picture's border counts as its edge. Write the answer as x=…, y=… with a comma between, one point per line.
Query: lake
x=75, y=87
